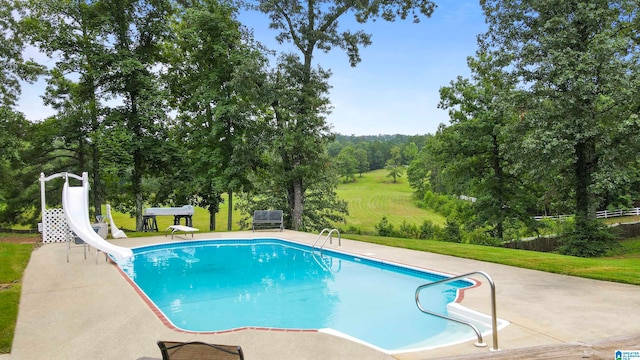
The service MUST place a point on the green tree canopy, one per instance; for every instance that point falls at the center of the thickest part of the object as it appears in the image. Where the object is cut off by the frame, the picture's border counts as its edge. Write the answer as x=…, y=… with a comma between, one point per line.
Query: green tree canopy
x=312, y=25
x=482, y=115
x=217, y=80
x=577, y=63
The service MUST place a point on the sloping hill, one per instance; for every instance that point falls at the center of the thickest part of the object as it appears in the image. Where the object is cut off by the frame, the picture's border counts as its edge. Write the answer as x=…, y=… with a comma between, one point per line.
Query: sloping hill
x=374, y=195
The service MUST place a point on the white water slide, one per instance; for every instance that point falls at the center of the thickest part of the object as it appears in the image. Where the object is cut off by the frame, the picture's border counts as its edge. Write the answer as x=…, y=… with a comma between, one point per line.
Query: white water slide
x=75, y=202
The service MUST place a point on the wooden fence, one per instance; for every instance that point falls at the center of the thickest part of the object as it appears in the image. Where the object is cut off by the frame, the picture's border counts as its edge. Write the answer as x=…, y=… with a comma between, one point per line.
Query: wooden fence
x=552, y=242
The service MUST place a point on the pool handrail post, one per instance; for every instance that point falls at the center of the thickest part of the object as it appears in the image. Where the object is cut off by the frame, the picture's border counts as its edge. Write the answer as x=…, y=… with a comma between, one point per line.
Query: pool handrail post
x=494, y=318
x=329, y=237
x=318, y=238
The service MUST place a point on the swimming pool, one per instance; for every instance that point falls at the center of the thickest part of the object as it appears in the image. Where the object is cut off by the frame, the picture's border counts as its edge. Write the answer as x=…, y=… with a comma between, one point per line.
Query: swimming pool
x=219, y=285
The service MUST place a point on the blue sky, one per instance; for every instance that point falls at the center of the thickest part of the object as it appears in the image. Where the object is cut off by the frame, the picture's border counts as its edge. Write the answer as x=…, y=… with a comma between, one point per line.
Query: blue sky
x=394, y=90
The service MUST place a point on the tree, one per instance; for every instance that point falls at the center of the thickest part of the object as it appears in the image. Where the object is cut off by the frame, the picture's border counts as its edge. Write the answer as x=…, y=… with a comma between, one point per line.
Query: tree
x=14, y=142
x=314, y=25
x=361, y=158
x=410, y=152
x=377, y=155
x=299, y=132
x=137, y=31
x=215, y=76
x=71, y=32
x=577, y=63
x=394, y=165
x=423, y=170
x=482, y=115
x=13, y=66
x=347, y=163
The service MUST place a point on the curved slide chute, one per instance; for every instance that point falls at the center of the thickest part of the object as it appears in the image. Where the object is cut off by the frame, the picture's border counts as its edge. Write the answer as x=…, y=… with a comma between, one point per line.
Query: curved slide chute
x=115, y=232
x=75, y=202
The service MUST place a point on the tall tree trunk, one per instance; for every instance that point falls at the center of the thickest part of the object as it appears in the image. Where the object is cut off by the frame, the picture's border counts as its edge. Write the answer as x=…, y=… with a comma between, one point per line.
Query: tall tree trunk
x=97, y=183
x=82, y=161
x=230, y=210
x=298, y=204
x=212, y=218
x=98, y=190
x=137, y=162
x=137, y=187
x=499, y=187
x=291, y=200
x=585, y=157
x=297, y=188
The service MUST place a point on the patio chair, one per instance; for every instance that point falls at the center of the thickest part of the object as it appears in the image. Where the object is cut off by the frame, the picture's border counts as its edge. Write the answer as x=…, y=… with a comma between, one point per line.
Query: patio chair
x=173, y=350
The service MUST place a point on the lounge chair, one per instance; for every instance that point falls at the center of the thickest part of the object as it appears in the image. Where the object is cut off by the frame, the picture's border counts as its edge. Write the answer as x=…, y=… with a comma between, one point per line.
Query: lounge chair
x=185, y=229
x=173, y=350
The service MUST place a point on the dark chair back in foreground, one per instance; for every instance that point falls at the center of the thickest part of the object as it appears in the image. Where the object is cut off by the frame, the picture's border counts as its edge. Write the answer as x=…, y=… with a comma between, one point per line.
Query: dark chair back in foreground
x=173, y=350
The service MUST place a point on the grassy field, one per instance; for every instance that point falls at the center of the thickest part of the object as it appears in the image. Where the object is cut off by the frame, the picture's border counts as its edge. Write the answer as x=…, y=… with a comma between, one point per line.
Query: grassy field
x=13, y=261
x=374, y=195
x=370, y=198
x=623, y=264
x=200, y=220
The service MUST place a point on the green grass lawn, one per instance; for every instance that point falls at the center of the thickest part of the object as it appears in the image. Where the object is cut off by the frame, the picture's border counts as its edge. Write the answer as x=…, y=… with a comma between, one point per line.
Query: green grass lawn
x=370, y=198
x=374, y=195
x=200, y=220
x=13, y=261
x=623, y=265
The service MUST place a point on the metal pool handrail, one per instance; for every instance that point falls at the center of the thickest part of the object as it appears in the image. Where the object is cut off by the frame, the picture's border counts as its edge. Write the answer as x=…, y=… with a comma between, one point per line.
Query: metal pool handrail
x=494, y=319
x=328, y=237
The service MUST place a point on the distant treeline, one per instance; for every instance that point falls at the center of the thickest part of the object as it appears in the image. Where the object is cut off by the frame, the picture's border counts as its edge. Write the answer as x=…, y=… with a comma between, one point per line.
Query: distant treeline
x=379, y=147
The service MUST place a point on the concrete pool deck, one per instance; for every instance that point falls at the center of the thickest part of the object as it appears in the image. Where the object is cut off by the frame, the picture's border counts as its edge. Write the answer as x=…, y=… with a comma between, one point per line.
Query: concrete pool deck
x=84, y=310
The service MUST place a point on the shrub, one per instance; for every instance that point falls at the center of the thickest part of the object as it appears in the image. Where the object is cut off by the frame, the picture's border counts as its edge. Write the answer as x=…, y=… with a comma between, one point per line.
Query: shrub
x=427, y=230
x=352, y=230
x=384, y=228
x=407, y=230
x=452, y=232
x=480, y=236
x=593, y=239
x=445, y=205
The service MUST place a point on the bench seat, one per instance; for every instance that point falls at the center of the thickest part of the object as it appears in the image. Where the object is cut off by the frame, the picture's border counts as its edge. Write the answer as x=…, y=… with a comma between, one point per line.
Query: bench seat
x=264, y=219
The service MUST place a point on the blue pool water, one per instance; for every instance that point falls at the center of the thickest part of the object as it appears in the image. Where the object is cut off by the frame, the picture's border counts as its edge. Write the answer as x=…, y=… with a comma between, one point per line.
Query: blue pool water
x=220, y=285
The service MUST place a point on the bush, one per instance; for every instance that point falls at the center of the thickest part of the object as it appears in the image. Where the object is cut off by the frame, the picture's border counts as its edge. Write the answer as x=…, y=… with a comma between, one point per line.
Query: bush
x=384, y=228
x=352, y=230
x=480, y=236
x=592, y=239
x=427, y=230
x=445, y=205
x=407, y=230
x=452, y=232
